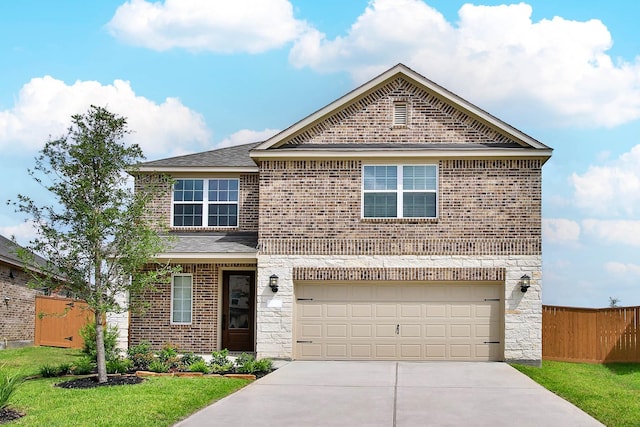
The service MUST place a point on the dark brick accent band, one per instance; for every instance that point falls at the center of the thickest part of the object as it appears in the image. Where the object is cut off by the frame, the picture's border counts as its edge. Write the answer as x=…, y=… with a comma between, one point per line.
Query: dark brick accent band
x=447, y=247
x=399, y=274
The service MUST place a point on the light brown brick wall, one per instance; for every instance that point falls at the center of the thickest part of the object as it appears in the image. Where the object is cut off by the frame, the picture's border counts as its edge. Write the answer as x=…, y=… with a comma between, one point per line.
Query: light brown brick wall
x=160, y=206
x=485, y=207
x=154, y=325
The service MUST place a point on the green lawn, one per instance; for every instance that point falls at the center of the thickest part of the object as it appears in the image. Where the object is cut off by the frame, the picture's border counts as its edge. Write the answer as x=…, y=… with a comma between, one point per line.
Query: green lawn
x=610, y=393
x=155, y=402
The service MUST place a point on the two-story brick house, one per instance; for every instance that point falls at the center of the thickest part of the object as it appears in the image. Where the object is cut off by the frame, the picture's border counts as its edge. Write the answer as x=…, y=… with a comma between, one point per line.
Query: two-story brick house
x=397, y=222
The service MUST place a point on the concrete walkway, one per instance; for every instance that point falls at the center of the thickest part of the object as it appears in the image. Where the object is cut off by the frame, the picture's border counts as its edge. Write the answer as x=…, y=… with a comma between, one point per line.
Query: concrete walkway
x=392, y=394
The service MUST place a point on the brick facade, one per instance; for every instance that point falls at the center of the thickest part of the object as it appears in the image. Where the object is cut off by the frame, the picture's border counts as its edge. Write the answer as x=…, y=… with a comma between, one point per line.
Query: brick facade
x=485, y=207
x=18, y=313
x=202, y=336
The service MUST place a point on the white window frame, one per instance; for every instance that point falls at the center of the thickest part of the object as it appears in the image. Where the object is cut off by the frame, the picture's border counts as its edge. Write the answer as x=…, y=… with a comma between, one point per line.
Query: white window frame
x=399, y=191
x=206, y=203
x=173, y=276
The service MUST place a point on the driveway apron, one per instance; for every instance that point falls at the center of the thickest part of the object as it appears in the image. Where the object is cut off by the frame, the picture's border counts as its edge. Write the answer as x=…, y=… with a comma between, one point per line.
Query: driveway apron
x=389, y=393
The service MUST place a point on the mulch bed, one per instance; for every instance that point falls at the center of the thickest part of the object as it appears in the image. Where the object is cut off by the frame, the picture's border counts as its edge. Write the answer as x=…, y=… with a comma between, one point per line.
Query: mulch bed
x=90, y=382
x=8, y=414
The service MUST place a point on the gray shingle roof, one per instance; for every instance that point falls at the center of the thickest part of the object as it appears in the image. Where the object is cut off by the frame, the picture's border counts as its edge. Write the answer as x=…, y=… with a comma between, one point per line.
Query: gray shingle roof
x=236, y=156
x=8, y=253
x=238, y=242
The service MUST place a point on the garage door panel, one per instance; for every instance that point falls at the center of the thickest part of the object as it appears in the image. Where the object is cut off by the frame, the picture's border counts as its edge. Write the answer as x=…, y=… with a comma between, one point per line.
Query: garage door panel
x=402, y=321
x=362, y=331
x=336, y=311
x=361, y=310
x=337, y=331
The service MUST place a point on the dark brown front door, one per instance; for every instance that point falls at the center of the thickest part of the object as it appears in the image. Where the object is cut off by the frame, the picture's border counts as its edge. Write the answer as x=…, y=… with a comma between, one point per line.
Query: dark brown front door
x=238, y=310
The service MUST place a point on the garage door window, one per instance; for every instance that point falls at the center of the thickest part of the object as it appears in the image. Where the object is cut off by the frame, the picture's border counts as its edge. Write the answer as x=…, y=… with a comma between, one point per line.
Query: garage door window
x=399, y=191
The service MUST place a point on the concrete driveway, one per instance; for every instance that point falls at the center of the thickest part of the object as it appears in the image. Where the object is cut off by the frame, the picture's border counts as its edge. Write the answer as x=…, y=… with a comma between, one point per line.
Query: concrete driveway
x=392, y=394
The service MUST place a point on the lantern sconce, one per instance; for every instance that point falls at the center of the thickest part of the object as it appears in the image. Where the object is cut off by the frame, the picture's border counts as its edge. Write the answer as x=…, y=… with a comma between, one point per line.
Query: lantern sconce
x=273, y=283
x=525, y=283
x=11, y=274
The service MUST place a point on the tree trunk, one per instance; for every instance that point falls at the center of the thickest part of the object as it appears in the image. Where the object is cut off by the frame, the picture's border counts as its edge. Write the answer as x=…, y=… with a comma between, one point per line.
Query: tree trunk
x=102, y=363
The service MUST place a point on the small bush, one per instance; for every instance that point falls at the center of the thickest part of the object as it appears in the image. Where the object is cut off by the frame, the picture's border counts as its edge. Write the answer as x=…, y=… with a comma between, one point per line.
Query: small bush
x=119, y=366
x=83, y=366
x=88, y=334
x=246, y=364
x=64, y=368
x=141, y=355
x=9, y=383
x=190, y=358
x=158, y=366
x=264, y=365
x=199, y=366
x=49, y=371
x=169, y=356
x=220, y=362
x=220, y=357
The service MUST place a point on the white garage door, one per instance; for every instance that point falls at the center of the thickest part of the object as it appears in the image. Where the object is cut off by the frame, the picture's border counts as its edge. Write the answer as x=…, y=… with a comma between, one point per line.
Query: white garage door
x=398, y=321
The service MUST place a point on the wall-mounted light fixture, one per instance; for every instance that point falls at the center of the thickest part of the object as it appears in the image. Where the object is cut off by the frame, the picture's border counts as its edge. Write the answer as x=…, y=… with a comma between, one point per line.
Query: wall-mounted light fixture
x=11, y=275
x=6, y=301
x=273, y=283
x=525, y=283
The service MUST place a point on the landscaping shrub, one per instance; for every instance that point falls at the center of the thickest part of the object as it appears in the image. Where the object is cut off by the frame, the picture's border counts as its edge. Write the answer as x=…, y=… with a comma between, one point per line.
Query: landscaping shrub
x=49, y=371
x=88, y=334
x=141, y=355
x=245, y=364
x=264, y=365
x=188, y=359
x=220, y=362
x=9, y=383
x=158, y=366
x=169, y=356
x=199, y=366
x=83, y=366
x=119, y=366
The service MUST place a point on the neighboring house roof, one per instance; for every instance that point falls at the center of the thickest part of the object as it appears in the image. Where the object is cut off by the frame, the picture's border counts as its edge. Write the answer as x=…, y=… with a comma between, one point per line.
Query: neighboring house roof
x=227, y=159
x=8, y=254
x=185, y=246
x=296, y=140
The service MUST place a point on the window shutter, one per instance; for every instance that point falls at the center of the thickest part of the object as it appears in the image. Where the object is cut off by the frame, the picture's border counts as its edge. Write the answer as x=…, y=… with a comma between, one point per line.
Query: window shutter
x=400, y=114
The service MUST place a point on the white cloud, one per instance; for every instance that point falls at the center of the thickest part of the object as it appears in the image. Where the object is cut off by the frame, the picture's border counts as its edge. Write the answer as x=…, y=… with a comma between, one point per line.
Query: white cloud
x=560, y=230
x=45, y=105
x=613, y=189
x=23, y=232
x=555, y=70
x=613, y=231
x=251, y=26
x=621, y=269
x=246, y=136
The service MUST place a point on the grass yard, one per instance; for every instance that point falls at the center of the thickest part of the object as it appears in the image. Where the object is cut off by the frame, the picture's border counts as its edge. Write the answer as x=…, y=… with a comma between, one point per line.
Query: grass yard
x=610, y=393
x=160, y=401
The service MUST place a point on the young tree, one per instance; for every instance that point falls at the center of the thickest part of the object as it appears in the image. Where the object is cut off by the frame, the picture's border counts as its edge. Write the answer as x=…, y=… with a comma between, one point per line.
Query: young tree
x=96, y=236
x=614, y=302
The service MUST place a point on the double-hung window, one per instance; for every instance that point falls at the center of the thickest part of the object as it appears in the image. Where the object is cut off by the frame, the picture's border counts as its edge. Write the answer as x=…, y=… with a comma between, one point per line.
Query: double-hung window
x=205, y=202
x=399, y=191
x=181, y=299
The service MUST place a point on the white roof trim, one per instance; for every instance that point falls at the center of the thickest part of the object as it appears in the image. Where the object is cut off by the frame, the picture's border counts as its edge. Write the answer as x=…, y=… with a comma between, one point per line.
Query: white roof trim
x=418, y=79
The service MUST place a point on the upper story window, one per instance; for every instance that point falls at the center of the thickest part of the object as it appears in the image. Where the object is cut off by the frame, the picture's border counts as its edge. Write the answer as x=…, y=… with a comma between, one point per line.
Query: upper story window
x=205, y=202
x=399, y=191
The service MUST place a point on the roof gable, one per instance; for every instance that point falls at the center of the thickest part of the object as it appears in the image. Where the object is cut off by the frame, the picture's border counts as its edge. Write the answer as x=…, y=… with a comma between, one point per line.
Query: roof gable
x=437, y=117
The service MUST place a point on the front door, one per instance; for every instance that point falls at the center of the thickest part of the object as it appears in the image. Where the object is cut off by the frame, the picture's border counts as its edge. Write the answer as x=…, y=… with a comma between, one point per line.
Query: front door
x=238, y=310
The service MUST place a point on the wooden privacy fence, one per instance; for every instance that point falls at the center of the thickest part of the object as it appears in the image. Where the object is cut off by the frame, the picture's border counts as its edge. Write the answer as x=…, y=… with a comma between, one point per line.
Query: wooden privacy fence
x=594, y=335
x=59, y=320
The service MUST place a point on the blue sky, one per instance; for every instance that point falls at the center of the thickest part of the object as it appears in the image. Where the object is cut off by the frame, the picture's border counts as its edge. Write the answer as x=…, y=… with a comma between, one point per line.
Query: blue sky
x=192, y=75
